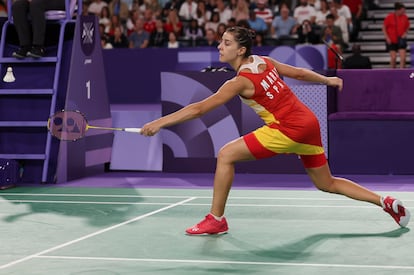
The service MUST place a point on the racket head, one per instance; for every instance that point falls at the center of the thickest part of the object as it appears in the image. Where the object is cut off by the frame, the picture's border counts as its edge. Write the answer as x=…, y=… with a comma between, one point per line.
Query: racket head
x=67, y=125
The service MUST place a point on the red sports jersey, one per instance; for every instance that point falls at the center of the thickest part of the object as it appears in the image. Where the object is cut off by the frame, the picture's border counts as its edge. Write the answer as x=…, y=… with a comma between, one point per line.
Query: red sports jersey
x=279, y=107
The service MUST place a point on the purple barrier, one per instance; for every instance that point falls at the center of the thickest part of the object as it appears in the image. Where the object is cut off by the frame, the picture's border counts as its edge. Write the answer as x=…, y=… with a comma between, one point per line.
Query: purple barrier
x=133, y=76
x=193, y=146
x=373, y=122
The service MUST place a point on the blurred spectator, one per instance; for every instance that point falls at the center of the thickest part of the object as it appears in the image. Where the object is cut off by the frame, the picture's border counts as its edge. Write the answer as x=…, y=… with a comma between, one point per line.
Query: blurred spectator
x=139, y=38
x=320, y=17
x=262, y=11
x=243, y=23
x=341, y=22
x=172, y=41
x=149, y=21
x=343, y=10
x=256, y=23
x=258, y=40
x=115, y=22
x=193, y=31
x=130, y=24
x=224, y=11
x=283, y=25
x=3, y=8
x=306, y=34
x=119, y=39
x=331, y=33
x=356, y=60
x=188, y=10
x=96, y=6
x=213, y=22
x=304, y=12
x=154, y=6
x=357, y=10
x=159, y=37
x=316, y=4
x=241, y=11
x=105, y=43
x=221, y=28
x=395, y=28
x=210, y=39
x=202, y=14
x=172, y=5
x=120, y=8
x=173, y=23
x=105, y=16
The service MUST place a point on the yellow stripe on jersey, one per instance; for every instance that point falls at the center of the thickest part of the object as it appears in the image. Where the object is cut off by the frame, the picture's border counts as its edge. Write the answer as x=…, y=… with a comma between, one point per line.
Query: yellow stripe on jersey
x=275, y=141
x=264, y=114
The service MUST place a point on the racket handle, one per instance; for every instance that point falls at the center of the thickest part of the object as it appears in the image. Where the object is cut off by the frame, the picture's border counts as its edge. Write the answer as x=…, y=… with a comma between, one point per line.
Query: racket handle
x=133, y=130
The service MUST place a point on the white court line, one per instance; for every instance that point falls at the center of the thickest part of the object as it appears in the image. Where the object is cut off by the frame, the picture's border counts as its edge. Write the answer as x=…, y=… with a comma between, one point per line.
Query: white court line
x=231, y=262
x=181, y=197
x=95, y=233
x=190, y=204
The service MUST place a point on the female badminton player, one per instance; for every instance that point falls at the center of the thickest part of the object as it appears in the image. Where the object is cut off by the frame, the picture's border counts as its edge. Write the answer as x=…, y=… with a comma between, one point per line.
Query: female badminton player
x=289, y=127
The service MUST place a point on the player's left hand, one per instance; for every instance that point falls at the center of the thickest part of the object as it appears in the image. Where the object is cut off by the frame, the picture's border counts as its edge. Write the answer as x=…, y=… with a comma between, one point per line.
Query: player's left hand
x=335, y=82
x=150, y=129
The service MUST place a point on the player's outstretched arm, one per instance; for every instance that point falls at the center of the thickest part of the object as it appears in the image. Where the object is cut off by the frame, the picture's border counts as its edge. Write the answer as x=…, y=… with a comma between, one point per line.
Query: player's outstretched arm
x=306, y=75
x=226, y=92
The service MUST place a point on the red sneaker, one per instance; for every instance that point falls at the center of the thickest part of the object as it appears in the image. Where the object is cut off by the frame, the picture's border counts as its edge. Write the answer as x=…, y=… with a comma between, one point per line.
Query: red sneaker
x=209, y=226
x=395, y=208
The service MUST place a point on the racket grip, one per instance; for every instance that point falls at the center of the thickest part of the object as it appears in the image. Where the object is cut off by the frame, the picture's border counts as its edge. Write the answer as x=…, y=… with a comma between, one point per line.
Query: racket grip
x=133, y=130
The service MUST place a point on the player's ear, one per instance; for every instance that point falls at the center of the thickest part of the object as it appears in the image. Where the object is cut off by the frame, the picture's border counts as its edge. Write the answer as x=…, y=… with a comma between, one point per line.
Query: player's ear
x=241, y=51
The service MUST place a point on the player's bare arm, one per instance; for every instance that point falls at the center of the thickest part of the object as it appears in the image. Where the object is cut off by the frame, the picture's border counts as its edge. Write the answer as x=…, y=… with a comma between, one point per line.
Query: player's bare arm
x=227, y=91
x=306, y=75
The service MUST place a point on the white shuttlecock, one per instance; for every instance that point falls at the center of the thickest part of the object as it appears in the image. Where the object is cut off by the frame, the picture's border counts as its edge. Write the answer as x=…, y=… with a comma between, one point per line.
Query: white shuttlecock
x=412, y=75
x=9, y=77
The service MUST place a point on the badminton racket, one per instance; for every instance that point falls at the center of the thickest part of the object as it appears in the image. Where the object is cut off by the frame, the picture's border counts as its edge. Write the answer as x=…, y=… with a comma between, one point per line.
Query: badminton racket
x=73, y=125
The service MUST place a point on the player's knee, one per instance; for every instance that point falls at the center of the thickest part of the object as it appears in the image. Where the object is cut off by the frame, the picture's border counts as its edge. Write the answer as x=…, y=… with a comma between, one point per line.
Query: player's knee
x=225, y=155
x=326, y=186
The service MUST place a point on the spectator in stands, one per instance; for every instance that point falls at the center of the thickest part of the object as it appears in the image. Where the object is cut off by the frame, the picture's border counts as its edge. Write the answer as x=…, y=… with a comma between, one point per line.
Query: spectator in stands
x=395, y=28
x=221, y=28
x=224, y=11
x=149, y=21
x=105, y=17
x=316, y=4
x=257, y=23
x=320, y=17
x=213, y=22
x=357, y=60
x=96, y=6
x=130, y=24
x=119, y=39
x=341, y=22
x=115, y=22
x=262, y=11
x=120, y=8
x=304, y=12
x=202, y=14
x=3, y=9
x=172, y=41
x=139, y=38
x=32, y=32
x=159, y=37
x=173, y=23
x=343, y=10
x=193, y=31
x=241, y=11
x=283, y=25
x=332, y=33
x=306, y=34
x=188, y=10
x=357, y=10
x=210, y=39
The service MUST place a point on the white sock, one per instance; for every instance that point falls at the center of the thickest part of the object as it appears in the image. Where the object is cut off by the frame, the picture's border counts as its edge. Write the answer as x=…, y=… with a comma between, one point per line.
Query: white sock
x=217, y=218
x=382, y=202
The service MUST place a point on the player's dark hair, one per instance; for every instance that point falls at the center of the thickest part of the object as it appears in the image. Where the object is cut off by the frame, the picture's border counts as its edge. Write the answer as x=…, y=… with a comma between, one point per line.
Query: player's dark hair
x=243, y=36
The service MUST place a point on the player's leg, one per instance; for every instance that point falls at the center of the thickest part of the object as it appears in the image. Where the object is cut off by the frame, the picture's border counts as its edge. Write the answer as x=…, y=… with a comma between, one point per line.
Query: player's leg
x=214, y=222
x=323, y=180
x=231, y=153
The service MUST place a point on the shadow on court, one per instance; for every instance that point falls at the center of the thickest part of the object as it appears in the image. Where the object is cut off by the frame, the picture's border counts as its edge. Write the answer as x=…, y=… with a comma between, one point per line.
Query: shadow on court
x=92, y=205
x=302, y=249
